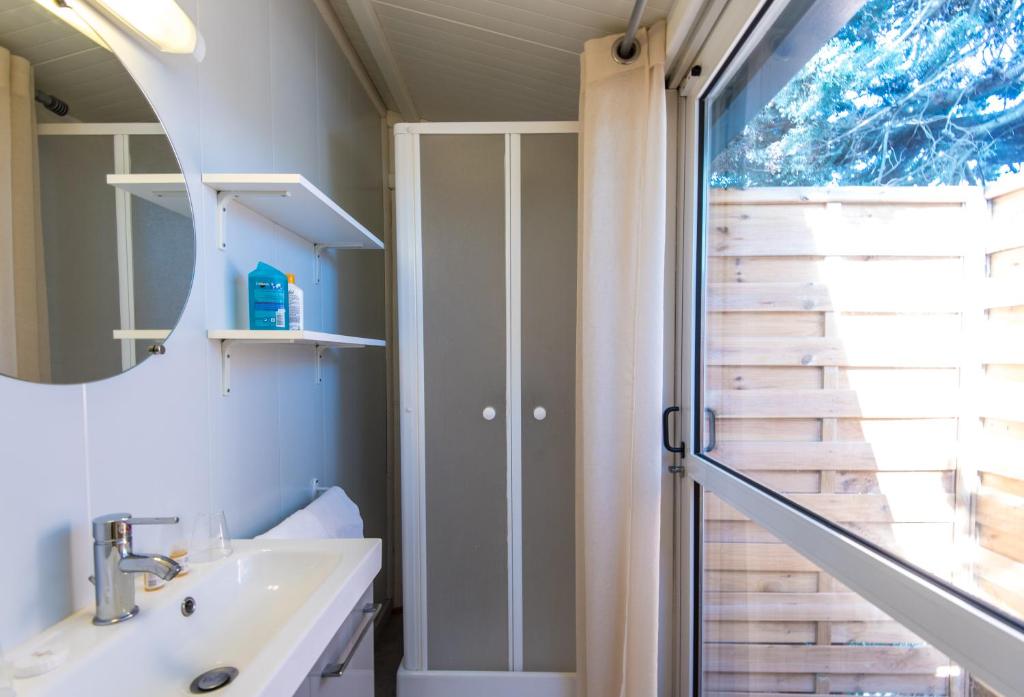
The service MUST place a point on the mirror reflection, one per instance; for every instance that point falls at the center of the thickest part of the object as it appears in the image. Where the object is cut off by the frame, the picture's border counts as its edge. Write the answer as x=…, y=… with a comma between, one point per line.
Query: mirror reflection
x=97, y=247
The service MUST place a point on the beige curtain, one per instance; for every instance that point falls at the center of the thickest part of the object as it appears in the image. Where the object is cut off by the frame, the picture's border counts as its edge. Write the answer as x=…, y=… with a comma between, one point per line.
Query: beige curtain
x=24, y=325
x=619, y=367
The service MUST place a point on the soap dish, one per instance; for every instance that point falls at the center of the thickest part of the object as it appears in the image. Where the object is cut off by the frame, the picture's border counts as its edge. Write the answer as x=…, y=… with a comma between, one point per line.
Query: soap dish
x=39, y=660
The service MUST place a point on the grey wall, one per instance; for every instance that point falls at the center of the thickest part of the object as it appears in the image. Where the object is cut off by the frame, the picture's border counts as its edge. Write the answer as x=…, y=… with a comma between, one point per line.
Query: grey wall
x=273, y=94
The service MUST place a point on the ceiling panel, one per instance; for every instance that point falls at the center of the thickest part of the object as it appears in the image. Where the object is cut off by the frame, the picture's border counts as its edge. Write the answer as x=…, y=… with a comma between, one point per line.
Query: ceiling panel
x=71, y=67
x=482, y=60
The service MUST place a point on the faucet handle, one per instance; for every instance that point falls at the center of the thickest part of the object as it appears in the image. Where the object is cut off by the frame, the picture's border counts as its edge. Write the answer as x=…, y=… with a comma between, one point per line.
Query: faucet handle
x=116, y=526
x=166, y=520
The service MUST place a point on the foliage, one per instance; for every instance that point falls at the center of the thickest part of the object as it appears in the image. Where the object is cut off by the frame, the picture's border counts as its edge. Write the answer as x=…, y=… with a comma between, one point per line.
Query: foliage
x=909, y=92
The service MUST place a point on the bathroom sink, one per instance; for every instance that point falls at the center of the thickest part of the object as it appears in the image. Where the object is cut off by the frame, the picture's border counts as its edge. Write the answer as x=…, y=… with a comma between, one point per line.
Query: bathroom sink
x=268, y=611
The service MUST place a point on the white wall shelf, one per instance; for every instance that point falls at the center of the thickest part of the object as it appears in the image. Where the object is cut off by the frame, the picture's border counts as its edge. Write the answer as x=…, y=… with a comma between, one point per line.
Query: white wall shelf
x=165, y=190
x=318, y=340
x=142, y=334
x=289, y=200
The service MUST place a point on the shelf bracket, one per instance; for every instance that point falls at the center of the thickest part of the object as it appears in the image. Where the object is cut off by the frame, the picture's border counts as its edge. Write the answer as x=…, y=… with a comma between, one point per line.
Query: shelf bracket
x=224, y=197
x=318, y=252
x=317, y=248
x=222, y=214
x=319, y=354
x=225, y=367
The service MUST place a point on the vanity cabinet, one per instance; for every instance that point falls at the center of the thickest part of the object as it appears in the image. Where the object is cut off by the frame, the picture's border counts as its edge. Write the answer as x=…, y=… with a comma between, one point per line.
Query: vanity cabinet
x=487, y=305
x=357, y=680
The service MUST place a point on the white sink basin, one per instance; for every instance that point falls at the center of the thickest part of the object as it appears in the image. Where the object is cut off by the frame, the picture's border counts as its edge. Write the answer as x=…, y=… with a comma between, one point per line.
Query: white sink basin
x=268, y=610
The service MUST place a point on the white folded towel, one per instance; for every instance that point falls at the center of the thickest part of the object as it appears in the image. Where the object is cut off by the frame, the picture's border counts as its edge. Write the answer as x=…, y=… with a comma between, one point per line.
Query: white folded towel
x=337, y=513
x=300, y=525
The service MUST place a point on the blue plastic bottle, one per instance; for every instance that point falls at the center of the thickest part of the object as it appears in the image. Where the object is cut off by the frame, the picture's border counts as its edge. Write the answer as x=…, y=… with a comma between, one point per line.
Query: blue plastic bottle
x=268, y=298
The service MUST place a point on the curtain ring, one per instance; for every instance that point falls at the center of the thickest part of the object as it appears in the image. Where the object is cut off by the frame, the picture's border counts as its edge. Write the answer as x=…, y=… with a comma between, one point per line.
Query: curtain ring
x=633, y=54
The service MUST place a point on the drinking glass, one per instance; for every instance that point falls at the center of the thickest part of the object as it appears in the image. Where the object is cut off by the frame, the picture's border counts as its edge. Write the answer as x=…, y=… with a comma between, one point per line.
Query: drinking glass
x=210, y=538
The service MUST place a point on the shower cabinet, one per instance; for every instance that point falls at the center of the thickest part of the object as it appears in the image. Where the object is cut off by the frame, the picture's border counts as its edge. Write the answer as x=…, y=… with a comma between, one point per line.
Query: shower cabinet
x=486, y=255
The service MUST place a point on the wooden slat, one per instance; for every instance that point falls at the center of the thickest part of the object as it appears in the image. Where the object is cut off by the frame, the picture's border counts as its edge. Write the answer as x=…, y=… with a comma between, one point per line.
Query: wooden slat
x=888, y=195
x=777, y=324
x=821, y=351
x=896, y=456
x=798, y=430
x=872, y=633
x=823, y=659
x=1008, y=544
x=907, y=507
x=904, y=538
x=758, y=632
x=1003, y=239
x=739, y=684
x=1005, y=187
x=765, y=232
x=1008, y=483
x=761, y=581
x=888, y=483
x=757, y=682
x=839, y=270
x=823, y=297
x=1008, y=263
x=1001, y=292
x=1000, y=510
x=789, y=404
x=999, y=578
x=1002, y=400
x=789, y=607
x=749, y=377
x=755, y=557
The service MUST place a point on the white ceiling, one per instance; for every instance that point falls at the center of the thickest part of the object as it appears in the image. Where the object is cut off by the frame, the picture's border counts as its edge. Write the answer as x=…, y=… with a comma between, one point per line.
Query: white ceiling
x=70, y=66
x=481, y=60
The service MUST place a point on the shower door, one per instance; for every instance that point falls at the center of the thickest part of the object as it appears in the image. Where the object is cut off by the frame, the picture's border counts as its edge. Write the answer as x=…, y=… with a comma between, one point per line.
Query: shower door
x=487, y=307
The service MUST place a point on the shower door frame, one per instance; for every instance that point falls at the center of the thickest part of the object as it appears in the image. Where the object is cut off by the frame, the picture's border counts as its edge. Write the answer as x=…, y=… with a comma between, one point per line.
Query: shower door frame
x=415, y=672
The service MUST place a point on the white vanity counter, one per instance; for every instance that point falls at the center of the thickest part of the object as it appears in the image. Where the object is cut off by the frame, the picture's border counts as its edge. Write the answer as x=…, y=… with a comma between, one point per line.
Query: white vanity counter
x=269, y=611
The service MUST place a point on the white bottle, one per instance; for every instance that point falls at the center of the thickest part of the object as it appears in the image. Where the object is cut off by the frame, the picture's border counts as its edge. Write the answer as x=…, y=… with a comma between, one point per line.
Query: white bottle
x=295, y=305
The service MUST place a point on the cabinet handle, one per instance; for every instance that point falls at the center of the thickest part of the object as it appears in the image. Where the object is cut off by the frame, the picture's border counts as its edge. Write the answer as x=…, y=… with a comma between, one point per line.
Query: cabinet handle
x=336, y=670
x=489, y=413
x=540, y=413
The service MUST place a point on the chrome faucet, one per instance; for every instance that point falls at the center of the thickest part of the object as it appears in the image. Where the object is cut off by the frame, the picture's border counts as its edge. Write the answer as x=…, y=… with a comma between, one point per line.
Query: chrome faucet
x=115, y=564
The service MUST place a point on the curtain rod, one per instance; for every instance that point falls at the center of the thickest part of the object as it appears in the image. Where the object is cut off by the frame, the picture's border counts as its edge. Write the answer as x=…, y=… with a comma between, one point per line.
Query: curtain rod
x=626, y=49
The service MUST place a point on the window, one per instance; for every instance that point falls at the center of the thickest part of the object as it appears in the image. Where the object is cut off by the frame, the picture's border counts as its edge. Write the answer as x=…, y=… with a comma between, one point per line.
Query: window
x=863, y=343
x=859, y=345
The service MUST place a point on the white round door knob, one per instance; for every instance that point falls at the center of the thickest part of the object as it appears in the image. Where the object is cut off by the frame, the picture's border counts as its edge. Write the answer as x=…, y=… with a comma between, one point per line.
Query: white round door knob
x=540, y=413
x=489, y=413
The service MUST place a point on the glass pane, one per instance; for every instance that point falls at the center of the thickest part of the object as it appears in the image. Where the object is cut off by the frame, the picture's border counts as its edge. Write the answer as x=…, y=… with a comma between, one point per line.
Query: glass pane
x=863, y=330
x=773, y=623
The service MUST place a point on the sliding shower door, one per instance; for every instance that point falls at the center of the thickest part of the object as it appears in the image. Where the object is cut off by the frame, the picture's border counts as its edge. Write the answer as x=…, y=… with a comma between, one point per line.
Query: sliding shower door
x=548, y=205
x=464, y=339
x=487, y=305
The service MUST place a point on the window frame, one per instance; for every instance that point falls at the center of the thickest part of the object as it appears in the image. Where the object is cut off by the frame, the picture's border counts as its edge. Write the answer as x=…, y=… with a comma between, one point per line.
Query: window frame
x=979, y=638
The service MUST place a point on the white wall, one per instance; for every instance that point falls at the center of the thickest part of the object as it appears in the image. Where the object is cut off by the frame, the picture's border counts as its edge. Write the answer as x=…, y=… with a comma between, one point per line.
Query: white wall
x=274, y=93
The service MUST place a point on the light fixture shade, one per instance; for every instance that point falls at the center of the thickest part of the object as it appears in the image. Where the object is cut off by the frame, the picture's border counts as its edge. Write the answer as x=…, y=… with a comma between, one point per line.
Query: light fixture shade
x=161, y=22
x=74, y=19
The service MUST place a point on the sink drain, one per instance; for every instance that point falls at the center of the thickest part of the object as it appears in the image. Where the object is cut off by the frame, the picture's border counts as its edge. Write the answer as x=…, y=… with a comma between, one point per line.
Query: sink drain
x=213, y=679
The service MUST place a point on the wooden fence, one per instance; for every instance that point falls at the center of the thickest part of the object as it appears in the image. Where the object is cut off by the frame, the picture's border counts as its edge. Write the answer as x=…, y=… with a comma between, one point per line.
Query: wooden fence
x=853, y=363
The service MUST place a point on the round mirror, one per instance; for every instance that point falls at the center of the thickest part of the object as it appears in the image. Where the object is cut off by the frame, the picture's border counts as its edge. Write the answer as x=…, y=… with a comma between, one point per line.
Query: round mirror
x=97, y=246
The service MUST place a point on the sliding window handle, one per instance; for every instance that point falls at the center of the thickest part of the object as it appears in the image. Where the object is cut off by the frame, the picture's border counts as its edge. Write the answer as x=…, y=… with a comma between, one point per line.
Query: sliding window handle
x=665, y=415
x=336, y=670
x=712, y=436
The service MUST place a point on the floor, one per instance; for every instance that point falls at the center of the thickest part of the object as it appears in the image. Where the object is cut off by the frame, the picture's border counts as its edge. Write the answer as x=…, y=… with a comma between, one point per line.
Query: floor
x=387, y=655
